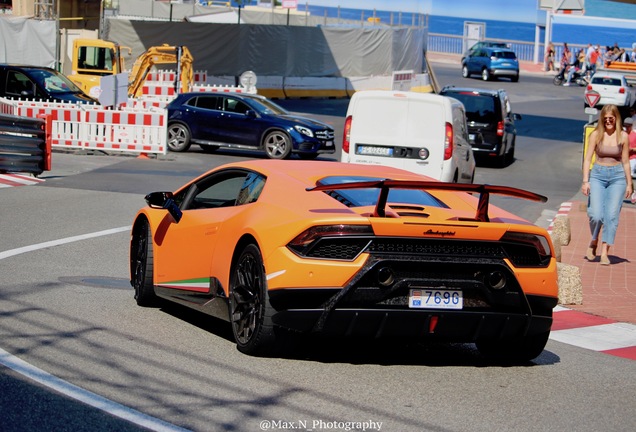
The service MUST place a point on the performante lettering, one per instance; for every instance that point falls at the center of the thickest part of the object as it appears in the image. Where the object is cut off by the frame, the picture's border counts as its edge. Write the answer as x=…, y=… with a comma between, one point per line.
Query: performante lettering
x=440, y=233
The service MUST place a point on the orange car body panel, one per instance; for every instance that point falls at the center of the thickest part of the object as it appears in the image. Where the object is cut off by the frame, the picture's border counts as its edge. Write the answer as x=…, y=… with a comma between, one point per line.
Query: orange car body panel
x=203, y=243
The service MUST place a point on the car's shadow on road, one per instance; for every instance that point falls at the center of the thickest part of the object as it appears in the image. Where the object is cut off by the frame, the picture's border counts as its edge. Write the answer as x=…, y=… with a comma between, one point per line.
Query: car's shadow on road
x=323, y=349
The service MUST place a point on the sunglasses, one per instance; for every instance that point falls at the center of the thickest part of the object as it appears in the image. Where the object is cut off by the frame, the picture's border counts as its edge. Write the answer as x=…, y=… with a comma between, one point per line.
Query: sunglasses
x=609, y=119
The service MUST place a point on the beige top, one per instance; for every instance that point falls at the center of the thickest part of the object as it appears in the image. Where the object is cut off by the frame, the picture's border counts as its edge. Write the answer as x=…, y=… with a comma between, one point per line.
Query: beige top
x=608, y=154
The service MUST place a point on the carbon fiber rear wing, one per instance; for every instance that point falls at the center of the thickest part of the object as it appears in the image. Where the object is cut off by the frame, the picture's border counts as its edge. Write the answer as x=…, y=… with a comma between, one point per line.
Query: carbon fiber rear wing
x=483, y=190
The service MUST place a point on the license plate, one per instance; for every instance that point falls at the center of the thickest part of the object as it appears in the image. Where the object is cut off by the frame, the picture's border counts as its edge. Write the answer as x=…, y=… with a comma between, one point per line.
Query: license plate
x=471, y=137
x=329, y=144
x=374, y=150
x=435, y=299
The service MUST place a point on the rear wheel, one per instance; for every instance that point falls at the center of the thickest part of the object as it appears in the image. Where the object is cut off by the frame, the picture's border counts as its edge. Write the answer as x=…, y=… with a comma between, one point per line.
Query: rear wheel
x=250, y=311
x=277, y=145
x=178, y=137
x=515, y=78
x=141, y=263
x=465, y=72
x=485, y=75
x=558, y=80
x=514, y=350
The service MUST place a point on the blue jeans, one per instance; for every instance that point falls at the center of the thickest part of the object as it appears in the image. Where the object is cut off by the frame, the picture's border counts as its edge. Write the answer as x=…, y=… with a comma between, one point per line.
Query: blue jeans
x=607, y=190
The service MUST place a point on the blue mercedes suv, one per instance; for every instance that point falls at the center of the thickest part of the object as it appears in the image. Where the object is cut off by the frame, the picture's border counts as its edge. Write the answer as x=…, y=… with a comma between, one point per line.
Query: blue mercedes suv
x=244, y=121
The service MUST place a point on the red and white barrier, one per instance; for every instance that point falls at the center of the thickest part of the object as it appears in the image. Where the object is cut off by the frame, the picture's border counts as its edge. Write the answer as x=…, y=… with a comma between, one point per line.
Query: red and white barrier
x=94, y=127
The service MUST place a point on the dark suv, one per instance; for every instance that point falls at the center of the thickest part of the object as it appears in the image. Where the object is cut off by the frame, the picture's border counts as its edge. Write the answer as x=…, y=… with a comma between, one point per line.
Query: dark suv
x=39, y=83
x=491, y=122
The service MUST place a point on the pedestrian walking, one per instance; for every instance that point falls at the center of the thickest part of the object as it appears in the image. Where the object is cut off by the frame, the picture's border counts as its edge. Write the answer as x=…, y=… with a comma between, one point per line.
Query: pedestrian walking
x=608, y=182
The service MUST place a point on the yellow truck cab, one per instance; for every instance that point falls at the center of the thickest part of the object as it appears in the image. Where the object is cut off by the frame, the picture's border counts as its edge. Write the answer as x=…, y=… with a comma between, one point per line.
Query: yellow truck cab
x=93, y=59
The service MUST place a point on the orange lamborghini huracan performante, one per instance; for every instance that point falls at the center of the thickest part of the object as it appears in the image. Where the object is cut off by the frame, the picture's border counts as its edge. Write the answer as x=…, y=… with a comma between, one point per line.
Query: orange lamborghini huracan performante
x=289, y=247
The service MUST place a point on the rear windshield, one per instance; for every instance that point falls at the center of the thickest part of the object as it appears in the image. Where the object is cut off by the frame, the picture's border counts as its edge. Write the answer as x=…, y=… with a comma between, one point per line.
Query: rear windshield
x=369, y=197
x=479, y=108
x=504, y=55
x=606, y=81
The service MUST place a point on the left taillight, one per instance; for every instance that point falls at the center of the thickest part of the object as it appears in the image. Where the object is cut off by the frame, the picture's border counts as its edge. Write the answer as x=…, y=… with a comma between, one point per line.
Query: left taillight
x=448, y=142
x=308, y=240
x=346, y=136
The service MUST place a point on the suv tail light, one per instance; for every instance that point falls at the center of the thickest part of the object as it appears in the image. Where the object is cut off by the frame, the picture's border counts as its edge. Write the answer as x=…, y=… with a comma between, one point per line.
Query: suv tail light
x=500, y=128
x=346, y=136
x=448, y=142
x=621, y=90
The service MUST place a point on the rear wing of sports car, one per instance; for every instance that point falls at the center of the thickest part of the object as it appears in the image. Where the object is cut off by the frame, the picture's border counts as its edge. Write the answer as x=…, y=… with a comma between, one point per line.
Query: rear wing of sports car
x=483, y=190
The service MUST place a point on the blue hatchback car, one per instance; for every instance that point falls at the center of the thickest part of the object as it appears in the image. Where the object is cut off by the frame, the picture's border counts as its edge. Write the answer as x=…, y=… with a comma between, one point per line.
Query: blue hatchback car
x=491, y=63
x=244, y=121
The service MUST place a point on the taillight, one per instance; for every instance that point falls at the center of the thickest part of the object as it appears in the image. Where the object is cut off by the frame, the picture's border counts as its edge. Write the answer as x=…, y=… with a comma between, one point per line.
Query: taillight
x=589, y=87
x=346, y=136
x=500, y=128
x=621, y=90
x=448, y=142
x=337, y=241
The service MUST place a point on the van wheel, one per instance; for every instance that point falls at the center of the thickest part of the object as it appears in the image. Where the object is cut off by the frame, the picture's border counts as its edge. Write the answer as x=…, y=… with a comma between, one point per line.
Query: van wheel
x=485, y=75
x=465, y=72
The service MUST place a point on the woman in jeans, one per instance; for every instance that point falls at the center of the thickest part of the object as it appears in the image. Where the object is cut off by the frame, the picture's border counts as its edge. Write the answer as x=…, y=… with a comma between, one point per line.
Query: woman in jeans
x=608, y=182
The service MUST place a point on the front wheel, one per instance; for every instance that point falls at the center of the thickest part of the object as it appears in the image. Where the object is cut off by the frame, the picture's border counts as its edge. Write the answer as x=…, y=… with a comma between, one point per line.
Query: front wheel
x=521, y=349
x=178, y=137
x=250, y=311
x=141, y=264
x=277, y=145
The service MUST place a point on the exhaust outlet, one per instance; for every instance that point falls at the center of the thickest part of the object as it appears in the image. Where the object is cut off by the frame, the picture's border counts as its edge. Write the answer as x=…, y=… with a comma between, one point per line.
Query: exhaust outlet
x=496, y=280
x=386, y=277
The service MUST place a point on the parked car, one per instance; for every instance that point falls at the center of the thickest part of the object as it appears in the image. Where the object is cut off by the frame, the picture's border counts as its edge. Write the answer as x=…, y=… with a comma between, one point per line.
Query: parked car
x=39, y=83
x=484, y=44
x=613, y=89
x=363, y=251
x=244, y=121
x=491, y=63
x=491, y=122
x=419, y=132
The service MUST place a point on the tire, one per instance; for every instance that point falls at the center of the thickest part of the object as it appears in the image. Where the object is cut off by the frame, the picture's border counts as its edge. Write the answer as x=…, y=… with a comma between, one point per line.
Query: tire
x=557, y=81
x=515, y=350
x=465, y=72
x=277, y=145
x=141, y=265
x=485, y=75
x=208, y=148
x=178, y=137
x=250, y=310
x=515, y=78
x=510, y=156
x=308, y=156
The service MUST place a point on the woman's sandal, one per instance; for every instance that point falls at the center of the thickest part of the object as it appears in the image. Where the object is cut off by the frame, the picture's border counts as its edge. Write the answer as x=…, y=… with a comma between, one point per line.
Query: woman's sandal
x=591, y=252
x=605, y=260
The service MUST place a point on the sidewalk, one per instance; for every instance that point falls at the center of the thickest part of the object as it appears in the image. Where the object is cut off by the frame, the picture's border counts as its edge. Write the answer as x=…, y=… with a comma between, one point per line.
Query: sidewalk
x=608, y=291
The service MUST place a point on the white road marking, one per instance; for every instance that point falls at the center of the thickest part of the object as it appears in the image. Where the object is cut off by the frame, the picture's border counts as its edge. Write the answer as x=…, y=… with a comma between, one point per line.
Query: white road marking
x=599, y=337
x=85, y=396
x=18, y=251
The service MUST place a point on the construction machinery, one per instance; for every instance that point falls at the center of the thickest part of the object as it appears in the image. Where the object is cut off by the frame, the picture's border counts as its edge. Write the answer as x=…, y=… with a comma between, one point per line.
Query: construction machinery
x=96, y=58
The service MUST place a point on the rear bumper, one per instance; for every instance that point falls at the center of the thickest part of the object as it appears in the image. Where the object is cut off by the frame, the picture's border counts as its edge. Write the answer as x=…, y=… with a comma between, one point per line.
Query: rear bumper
x=458, y=326
x=467, y=325
x=505, y=72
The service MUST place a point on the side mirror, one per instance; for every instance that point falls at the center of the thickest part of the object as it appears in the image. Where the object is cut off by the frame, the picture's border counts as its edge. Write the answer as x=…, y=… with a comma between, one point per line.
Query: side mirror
x=250, y=113
x=165, y=200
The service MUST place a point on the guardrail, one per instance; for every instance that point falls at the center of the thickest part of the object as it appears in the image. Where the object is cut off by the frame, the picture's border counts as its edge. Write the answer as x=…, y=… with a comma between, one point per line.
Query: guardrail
x=24, y=147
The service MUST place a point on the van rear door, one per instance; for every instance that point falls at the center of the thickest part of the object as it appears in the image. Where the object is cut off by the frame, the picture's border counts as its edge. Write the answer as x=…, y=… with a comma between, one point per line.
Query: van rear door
x=398, y=129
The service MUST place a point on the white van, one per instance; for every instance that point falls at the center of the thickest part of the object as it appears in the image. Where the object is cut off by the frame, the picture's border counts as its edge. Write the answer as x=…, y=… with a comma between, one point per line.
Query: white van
x=419, y=132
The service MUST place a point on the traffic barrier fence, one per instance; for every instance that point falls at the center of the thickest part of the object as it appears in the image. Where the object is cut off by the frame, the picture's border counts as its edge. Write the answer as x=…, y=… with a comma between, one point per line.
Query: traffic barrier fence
x=24, y=146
